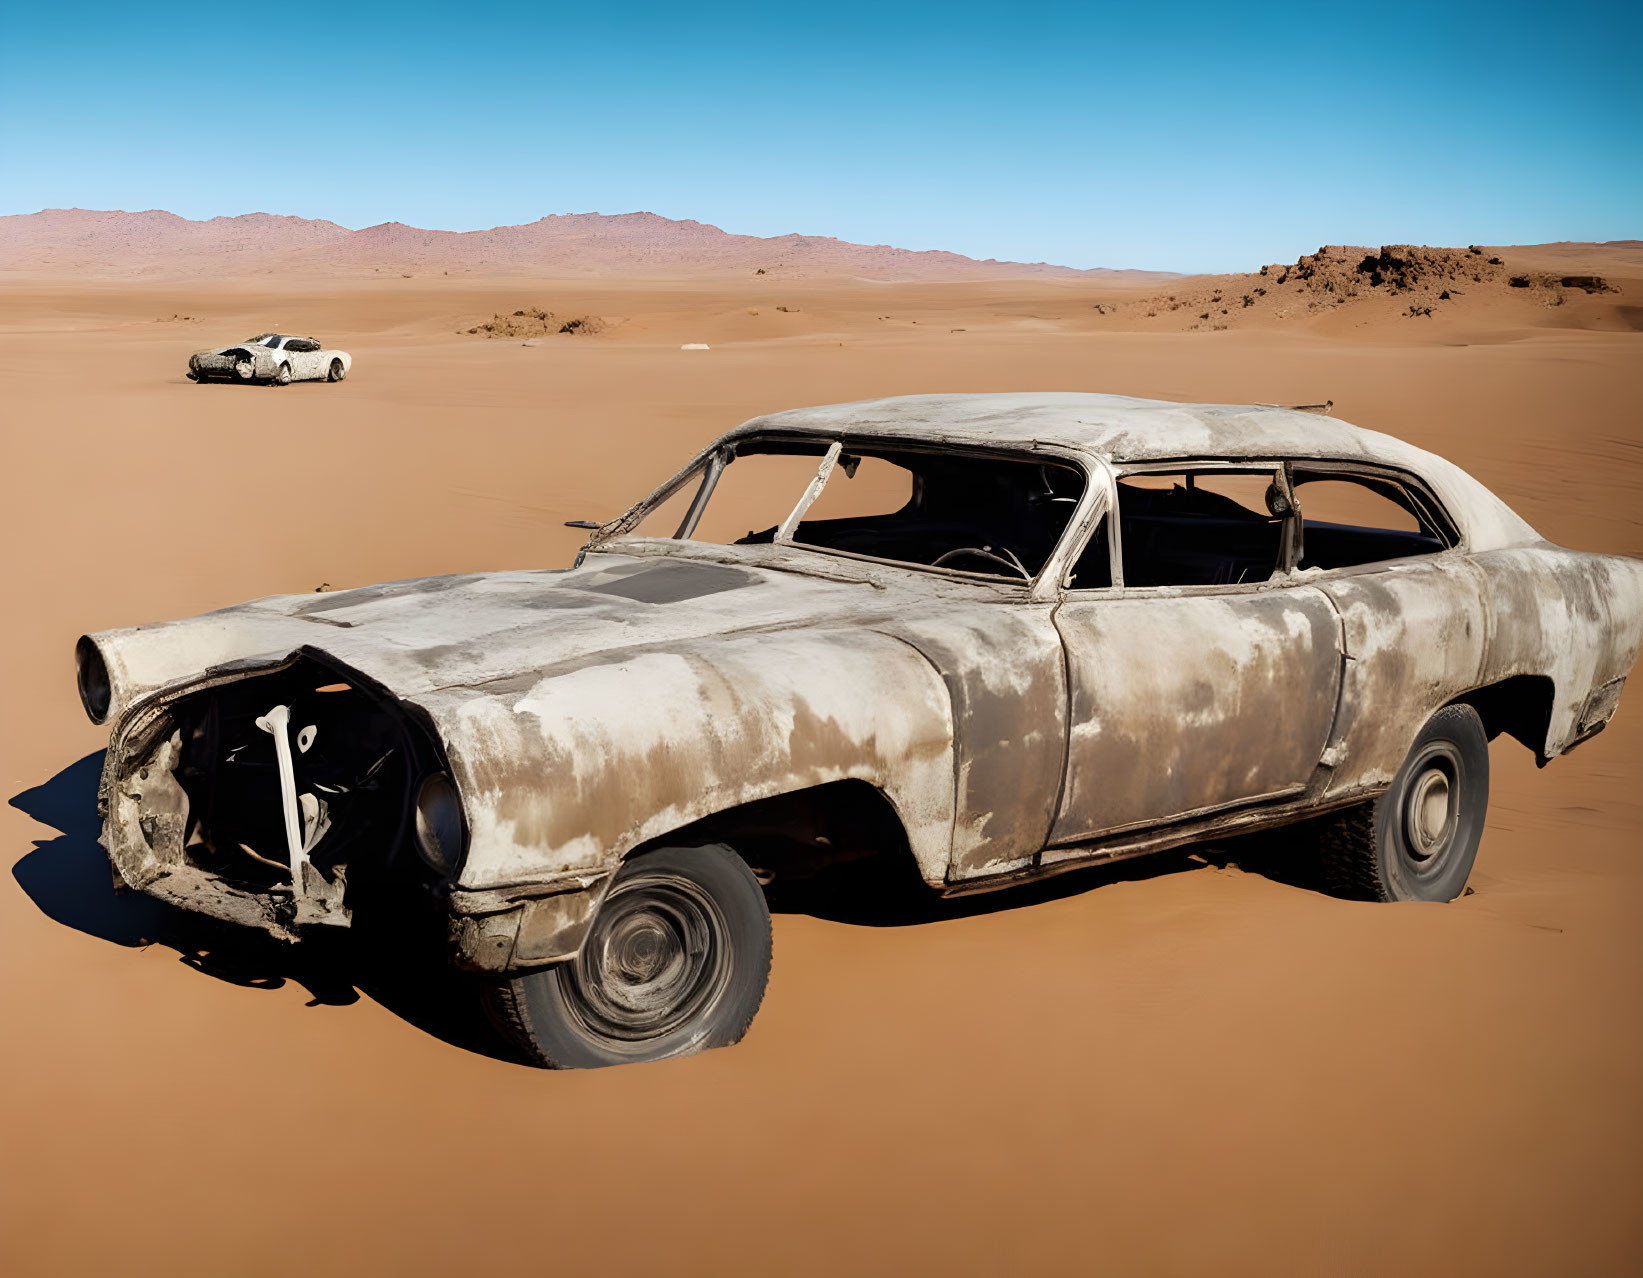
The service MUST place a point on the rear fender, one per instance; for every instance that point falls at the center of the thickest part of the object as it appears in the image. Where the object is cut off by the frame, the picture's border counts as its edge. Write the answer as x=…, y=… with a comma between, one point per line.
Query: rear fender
x=1575, y=619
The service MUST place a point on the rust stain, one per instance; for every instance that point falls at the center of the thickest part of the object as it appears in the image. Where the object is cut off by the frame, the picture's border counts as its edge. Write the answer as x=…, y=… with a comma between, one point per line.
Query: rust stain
x=1011, y=726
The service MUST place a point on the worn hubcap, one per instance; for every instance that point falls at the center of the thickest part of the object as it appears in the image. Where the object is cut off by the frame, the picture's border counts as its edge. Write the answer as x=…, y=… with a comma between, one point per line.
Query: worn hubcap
x=656, y=956
x=1430, y=814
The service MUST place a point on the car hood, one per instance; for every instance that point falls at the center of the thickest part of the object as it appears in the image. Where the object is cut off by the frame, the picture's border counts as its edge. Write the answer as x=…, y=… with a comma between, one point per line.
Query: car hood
x=487, y=630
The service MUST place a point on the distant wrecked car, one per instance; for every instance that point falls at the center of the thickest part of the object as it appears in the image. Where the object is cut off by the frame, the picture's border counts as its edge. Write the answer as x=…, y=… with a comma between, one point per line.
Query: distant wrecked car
x=995, y=636
x=273, y=358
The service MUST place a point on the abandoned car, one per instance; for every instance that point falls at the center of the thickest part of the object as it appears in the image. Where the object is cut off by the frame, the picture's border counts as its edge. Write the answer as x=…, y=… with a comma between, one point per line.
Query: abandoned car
x=994, y=636
x=273, y=359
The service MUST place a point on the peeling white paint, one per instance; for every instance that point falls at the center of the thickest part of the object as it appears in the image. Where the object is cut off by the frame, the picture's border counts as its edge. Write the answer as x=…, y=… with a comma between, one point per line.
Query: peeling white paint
x=1010, y=726
x=269, y=358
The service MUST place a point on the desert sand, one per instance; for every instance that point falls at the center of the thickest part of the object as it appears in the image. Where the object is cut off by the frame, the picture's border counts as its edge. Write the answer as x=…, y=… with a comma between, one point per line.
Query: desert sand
x=1170, y=1067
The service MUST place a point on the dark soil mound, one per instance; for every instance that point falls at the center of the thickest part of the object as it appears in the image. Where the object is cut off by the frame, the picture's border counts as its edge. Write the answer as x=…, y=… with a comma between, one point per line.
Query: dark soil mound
x=1345, y=271
x=533, y=321
x=1426, y=281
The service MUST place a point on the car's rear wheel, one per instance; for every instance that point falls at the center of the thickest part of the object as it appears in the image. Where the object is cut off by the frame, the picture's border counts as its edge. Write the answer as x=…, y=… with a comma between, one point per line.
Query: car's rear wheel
x=282, y=375
x=1417, y=841
x=244, y=369
x=676, y=962
x=337, y=372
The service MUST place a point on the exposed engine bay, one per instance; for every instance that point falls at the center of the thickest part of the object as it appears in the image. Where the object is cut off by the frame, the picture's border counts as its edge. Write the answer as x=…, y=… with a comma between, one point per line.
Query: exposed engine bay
x=277, y=798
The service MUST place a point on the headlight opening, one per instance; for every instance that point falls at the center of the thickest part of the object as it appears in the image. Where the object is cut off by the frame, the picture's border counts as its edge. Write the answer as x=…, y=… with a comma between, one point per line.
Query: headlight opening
x=439, y=824
x=91, y=674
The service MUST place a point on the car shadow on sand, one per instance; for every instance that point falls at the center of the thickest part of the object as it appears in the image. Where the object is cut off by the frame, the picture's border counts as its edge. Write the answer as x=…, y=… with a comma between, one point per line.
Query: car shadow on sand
x=888, y=893
x=69, y=879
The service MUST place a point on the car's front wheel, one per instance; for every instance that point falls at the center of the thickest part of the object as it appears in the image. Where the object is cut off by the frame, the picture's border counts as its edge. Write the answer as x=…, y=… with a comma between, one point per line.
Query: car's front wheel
x=336, y=372
x=244, y=369
x=282, y=375
x=1417, y=841
x=675, y=962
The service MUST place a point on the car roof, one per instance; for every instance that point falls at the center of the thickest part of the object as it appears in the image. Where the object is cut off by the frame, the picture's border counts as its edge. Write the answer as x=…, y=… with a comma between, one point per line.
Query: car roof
x=1122, y=429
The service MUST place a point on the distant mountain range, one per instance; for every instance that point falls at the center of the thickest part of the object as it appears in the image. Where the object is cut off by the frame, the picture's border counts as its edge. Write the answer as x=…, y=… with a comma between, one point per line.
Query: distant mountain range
x=157, y=243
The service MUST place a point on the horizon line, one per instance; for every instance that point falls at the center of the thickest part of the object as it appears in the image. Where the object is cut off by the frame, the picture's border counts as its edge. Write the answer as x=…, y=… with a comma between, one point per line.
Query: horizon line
x=711, y=226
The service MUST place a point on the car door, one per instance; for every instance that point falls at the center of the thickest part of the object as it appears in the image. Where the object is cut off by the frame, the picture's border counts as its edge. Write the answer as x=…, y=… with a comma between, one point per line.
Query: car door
x=270, y=356
x=1415, y=618
x=304, y=357
x=1206, y=676
x=1000, y=656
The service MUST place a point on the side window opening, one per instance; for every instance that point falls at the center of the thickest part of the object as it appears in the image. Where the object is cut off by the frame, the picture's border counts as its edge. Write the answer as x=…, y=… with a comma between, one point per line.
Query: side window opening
x=1198, y=528
x=966, y=512
x=1093, y=569
x=1349, y=520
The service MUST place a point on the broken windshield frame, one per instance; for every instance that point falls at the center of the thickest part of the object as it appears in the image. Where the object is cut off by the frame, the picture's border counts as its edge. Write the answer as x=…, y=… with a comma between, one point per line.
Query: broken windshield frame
x=1061, y=482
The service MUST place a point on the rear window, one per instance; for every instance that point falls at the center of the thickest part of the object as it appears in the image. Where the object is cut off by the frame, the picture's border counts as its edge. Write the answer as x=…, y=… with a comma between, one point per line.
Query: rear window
x=1349, y=520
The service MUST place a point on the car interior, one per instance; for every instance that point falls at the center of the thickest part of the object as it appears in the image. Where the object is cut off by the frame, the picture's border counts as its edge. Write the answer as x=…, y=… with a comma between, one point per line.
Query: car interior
x=1216, y=527
x=976, y=512
x=1187, y=530
x=1363, y=520
x=967, y=512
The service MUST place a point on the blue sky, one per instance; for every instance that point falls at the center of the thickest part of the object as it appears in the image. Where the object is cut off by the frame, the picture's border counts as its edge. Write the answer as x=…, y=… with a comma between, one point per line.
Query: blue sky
x=1172, y=135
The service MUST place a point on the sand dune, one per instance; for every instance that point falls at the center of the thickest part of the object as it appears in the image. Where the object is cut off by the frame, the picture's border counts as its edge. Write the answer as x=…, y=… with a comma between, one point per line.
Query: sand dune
x=1173, y=1068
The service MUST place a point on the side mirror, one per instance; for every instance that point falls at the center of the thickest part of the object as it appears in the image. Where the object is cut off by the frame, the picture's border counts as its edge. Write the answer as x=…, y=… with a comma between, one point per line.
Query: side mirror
x=1278, y=504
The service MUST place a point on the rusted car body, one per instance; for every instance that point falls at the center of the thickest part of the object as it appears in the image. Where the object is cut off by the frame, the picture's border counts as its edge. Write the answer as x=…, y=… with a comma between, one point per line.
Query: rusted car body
x=1124, y=664
x=275, y=359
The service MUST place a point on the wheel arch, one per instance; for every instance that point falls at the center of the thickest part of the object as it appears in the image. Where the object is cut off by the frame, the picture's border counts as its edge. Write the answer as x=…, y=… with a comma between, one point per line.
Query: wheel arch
x=798, y=833
x=555, y=782
x=1519, y=706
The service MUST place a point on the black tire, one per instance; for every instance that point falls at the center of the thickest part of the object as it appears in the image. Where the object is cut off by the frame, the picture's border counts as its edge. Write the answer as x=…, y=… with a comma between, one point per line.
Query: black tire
x=676, y=962
x=336, y=372
x=282, y=375
x=1417, y=841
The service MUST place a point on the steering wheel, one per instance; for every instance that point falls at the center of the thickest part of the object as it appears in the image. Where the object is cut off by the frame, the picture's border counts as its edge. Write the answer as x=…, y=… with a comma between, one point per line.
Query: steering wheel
x=1004, y=557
